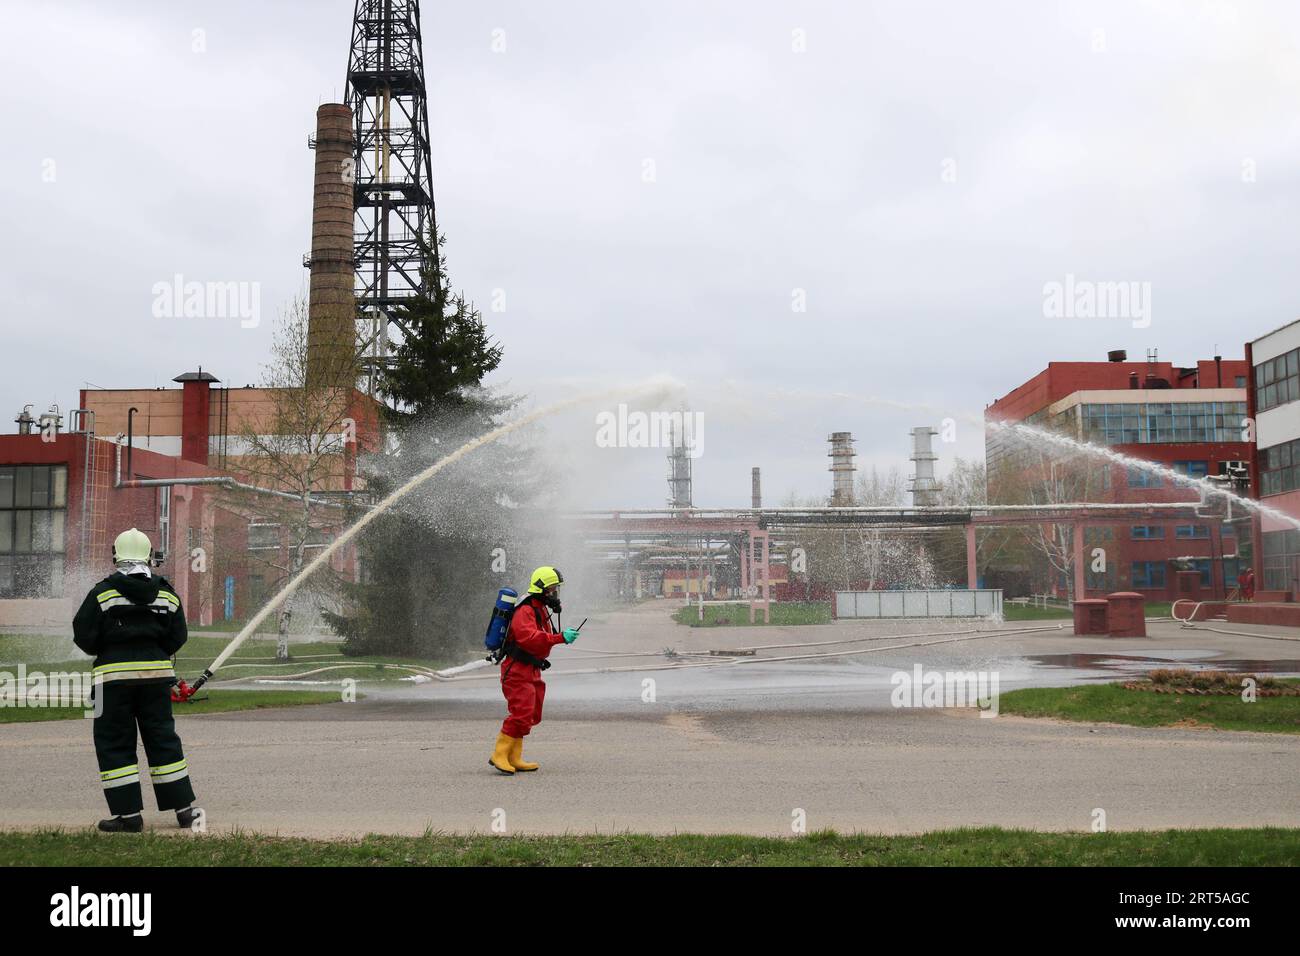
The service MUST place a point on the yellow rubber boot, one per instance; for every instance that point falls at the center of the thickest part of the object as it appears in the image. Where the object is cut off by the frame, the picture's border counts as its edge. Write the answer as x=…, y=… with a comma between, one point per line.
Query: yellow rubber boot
x=517, y=755
x=501, y=755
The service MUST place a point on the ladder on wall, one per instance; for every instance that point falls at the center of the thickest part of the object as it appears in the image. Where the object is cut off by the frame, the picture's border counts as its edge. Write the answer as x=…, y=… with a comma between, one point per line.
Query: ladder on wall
x=96, y=468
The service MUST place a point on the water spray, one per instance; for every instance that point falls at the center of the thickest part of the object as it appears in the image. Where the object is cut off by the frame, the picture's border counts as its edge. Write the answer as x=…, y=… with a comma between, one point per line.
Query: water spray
x=185, y=691
x=1206, y=485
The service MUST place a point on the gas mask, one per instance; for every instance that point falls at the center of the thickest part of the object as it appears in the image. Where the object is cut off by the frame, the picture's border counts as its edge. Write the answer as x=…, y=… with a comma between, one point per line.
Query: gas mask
x=552, y=600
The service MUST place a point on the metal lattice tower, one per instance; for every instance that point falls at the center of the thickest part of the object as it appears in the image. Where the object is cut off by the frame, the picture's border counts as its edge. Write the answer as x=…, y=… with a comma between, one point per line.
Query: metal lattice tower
x=394, y=186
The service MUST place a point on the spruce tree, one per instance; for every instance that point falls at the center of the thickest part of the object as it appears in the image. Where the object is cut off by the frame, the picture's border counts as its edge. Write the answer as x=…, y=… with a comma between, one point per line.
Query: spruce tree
x=427, y=567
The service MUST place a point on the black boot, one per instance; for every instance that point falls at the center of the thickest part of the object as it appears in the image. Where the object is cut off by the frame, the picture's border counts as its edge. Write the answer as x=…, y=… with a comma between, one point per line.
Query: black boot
x=185, y=818
x=132, y=824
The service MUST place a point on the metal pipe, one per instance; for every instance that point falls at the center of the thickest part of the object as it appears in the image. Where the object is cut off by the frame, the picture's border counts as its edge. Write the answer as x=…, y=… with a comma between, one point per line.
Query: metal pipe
x=130, y=436
x=223, y=482
x=888, y=509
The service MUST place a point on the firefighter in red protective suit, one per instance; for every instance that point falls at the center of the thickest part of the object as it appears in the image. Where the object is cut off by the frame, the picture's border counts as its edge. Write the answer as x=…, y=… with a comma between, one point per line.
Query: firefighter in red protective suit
x=527, y=645
x=1246, y=583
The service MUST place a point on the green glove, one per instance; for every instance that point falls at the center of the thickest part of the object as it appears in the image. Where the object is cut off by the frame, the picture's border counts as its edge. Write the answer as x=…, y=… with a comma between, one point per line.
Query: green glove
x=570, y=635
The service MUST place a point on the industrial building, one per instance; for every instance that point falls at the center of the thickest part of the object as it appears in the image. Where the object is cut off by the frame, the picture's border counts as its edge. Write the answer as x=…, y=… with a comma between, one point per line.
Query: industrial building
x=1273, y=400
x=172, y=462
x=177, y=462
x=1190, y=419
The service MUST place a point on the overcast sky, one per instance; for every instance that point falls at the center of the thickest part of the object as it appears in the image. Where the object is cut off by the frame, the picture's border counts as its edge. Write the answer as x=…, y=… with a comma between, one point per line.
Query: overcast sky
x=919, y=170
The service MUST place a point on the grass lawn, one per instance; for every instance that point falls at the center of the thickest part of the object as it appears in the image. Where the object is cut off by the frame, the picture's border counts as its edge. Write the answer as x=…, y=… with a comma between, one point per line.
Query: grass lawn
x=1265, y=846
x=255, y=658
x=1027, y=612
x=218, y=702
x=1111, y=703
x=1017, y=612
x=723, y=615
x=819, y=612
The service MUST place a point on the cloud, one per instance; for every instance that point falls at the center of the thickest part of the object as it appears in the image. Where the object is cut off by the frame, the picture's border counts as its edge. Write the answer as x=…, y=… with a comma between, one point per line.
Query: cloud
x=773, y=171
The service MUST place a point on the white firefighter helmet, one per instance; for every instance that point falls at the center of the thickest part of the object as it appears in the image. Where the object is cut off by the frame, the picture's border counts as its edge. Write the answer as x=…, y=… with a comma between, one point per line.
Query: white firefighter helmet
x=133, y=545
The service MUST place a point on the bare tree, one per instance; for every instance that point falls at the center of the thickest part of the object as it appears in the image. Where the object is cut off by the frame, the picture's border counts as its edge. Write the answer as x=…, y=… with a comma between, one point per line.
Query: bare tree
x=299, y=445
x=874, y=488
x=1045, y=473
x=840, y=558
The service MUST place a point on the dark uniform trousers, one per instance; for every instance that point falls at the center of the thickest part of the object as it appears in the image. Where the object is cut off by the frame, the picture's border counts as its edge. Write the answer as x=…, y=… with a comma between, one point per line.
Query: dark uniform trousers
x=128, y=706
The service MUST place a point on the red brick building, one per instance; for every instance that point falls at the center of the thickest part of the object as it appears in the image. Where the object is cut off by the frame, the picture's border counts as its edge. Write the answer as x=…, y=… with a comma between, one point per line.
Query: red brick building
x=1189, y=419
x=65, y=494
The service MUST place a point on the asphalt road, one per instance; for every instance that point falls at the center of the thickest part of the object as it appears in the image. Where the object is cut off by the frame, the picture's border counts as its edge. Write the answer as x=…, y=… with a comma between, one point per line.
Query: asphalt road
x=731, y=748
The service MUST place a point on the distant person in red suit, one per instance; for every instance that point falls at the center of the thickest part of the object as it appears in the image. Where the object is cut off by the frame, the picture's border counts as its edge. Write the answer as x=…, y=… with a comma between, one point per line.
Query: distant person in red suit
x=1246, y=581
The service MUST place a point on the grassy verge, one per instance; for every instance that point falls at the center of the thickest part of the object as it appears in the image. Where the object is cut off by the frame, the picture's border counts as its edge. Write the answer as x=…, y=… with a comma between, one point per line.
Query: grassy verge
x=217, y=702
x=1265, y=846
x=784, y=613
x=1027, y=612
x=819, y=612
x=1111, y=703
x=255, y=658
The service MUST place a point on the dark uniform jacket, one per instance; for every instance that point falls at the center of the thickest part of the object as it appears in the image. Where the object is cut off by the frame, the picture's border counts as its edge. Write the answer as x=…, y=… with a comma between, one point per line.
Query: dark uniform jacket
x=132, y=625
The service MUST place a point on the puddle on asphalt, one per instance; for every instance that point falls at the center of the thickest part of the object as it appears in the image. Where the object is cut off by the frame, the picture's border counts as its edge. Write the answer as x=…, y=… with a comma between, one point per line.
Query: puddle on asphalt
x=1134, y=664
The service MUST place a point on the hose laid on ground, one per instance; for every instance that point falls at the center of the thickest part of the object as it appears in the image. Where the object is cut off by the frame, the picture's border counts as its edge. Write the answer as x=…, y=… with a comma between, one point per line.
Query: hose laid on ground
x=894, y=647
x=295, y=662
x=424, y=671
x=1189, y=623
x=1262, y=637
x=238, y=660
x=1185, y=621
x=722, y=661
x=854, y=640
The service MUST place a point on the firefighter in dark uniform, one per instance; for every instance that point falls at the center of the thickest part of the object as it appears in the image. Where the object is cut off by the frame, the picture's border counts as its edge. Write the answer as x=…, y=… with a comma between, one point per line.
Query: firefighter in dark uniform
x=132, y=623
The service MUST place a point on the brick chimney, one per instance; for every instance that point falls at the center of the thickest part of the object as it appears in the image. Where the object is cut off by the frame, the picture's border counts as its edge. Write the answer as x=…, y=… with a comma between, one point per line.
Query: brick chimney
x=196, y=403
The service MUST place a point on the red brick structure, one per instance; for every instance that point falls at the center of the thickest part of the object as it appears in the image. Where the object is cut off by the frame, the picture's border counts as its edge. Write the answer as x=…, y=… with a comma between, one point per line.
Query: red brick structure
x=1126, y=614
x=1091, y=617
x=62, y=500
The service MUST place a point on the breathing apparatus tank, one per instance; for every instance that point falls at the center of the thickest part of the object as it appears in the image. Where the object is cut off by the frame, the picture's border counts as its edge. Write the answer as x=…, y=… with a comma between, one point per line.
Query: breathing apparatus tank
x=500, y=621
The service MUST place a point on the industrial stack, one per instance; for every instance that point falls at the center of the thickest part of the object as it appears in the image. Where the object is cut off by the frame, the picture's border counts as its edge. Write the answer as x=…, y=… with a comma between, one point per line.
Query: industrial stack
x=925, y=489
x=842, y=469
x=332, y=309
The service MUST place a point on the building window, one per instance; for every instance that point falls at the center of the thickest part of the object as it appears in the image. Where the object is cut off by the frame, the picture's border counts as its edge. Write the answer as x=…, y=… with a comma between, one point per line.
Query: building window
x=33, y=514
x=1148, y=574
x=1281, y=559
x=1141, y=478
x=257, y=590
x=1192, y=531
x=1277, y=381
x=1203, y=565
x=1192, y=469
x=1231, y=567
x=318, y=538
x=1279, y=468
x=1241, y=381
x=263, y=537
x=164, y=520
x=1100, y=580
x=1146, y=423
x=1147, y=532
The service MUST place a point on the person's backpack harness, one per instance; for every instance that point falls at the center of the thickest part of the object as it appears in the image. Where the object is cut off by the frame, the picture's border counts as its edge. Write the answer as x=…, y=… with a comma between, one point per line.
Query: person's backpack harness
x=498, y=641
